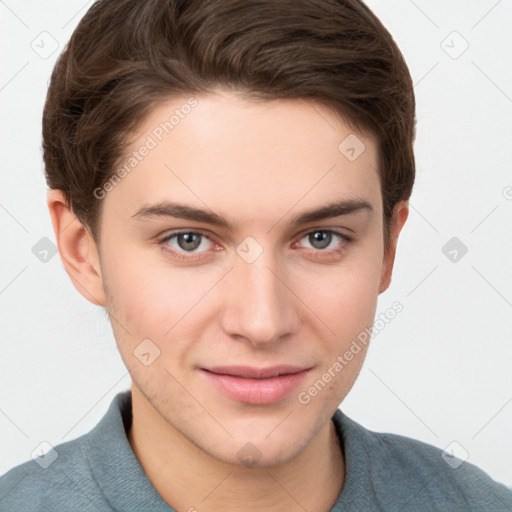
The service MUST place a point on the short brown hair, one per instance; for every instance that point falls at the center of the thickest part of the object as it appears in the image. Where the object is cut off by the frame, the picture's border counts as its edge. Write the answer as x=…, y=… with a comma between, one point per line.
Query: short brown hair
x=127, y=56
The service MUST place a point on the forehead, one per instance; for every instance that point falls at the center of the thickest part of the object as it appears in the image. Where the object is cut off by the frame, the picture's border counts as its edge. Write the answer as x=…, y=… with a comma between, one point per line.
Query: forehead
x=227, y=152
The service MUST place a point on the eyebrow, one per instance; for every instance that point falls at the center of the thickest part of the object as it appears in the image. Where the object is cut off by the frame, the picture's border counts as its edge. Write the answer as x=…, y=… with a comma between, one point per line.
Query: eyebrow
x=183, y=211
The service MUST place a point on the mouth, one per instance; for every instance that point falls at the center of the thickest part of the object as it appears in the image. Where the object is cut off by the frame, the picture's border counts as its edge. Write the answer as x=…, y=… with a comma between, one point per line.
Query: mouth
x=256, y=386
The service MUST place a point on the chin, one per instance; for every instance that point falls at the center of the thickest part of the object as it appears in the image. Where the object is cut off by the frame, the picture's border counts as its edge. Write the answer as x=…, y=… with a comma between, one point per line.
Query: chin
x=263, y=450
x=251, y=455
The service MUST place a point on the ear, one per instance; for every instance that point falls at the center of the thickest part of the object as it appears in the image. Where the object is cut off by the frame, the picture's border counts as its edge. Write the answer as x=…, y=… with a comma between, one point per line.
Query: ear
x=400, y=214
x=77, y=249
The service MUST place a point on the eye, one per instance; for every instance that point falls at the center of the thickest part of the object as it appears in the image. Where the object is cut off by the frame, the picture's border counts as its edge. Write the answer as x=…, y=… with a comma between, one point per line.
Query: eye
x=322, y=239
x=186, y=242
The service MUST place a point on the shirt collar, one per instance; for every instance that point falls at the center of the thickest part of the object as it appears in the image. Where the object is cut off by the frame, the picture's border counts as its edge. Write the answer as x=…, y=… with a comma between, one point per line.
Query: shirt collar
x=115, y=467
x=125, y=485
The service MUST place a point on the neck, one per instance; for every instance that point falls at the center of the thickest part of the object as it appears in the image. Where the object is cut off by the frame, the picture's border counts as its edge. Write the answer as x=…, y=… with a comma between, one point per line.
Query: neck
x=189, y=479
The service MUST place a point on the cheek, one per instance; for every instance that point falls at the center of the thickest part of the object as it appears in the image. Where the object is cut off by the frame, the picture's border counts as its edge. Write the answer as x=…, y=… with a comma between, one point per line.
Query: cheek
x=143, y=289
x=345, y=296
x=346, y=303
x=156, y=301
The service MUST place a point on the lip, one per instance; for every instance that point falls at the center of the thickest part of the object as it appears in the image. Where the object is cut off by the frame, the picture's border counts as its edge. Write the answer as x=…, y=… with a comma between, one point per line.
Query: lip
x=257, y=386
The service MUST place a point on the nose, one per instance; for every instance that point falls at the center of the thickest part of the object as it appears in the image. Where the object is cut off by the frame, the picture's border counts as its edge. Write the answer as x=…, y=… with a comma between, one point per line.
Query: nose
x=259, y=305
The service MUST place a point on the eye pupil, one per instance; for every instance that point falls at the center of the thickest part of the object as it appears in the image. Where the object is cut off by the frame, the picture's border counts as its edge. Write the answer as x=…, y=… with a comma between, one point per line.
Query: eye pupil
x=191, y=241
x=321, y=237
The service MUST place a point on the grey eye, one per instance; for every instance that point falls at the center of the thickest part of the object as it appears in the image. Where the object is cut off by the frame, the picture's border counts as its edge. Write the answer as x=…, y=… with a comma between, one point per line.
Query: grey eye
x=189, y=241
x=320, y=239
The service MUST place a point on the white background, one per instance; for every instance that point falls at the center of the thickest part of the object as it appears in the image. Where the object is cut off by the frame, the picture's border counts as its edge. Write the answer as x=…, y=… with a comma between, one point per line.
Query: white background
x=439, y=372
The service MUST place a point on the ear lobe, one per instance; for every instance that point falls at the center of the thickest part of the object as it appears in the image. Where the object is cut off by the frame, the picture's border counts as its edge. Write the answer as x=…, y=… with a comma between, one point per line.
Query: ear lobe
x=77, y=249
x=400, y=214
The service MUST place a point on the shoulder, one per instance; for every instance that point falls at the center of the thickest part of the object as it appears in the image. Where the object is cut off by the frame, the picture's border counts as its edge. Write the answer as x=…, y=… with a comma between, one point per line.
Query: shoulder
x=404, y=470
x=51, y=482
x=98, y=472
x=75, y=475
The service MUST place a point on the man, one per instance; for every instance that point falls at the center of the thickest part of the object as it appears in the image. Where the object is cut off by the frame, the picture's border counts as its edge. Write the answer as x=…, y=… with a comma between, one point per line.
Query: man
x=229, y=180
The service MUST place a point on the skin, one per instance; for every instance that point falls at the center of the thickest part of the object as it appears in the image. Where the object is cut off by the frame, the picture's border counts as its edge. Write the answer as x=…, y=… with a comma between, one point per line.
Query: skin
x=257, y=164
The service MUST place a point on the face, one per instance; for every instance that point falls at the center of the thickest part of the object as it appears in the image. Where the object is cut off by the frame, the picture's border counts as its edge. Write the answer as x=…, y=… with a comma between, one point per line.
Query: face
x=230, y=298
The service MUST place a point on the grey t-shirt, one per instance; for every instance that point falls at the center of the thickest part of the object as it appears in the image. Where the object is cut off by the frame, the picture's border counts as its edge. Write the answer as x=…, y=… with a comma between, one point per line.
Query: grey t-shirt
x=384, y=472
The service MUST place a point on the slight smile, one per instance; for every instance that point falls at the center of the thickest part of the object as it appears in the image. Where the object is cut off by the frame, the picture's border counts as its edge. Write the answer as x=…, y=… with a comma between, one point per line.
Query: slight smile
x=256, y=386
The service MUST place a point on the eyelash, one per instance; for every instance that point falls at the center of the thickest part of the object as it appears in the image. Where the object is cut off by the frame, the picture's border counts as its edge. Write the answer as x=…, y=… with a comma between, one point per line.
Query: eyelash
x=345, y=241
